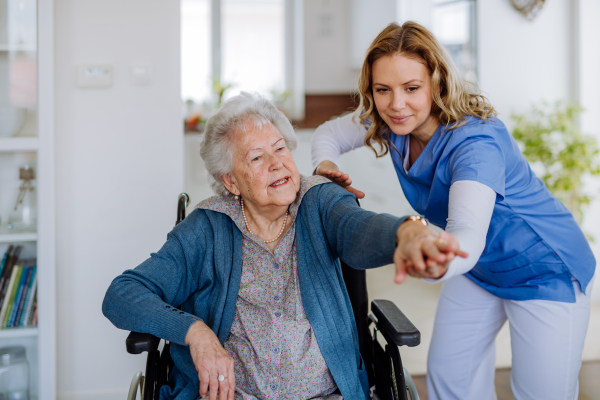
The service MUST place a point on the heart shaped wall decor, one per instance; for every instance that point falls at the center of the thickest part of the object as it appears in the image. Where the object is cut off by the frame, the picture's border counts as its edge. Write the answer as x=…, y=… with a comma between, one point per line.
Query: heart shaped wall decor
x=529, y=8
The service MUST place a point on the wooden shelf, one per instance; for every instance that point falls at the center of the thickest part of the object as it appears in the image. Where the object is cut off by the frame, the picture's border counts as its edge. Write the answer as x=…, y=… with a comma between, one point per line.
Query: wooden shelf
x=12, y=333
x=12, y=144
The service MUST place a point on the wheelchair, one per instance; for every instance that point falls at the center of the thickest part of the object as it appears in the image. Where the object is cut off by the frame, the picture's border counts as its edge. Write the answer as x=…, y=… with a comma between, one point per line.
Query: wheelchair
x=387, y=377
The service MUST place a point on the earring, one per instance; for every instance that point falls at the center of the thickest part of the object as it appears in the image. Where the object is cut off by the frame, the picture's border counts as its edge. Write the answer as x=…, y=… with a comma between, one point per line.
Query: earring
x=236, y=197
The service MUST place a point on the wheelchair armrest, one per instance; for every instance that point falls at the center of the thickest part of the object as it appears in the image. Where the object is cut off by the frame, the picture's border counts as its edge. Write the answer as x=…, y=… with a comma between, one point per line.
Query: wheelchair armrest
x=392, y=322
x=138, y=342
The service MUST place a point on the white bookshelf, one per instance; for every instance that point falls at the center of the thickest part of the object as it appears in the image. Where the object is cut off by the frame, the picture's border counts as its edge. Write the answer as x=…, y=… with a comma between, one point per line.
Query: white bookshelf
x=18, y=333
x=19, y=144
x=17, y=47
x=40, y=341
x=17, y=237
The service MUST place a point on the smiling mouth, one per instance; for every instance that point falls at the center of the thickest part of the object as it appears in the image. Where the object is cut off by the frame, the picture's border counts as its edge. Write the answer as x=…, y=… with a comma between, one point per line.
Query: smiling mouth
x=280, y=182
x=400, y=120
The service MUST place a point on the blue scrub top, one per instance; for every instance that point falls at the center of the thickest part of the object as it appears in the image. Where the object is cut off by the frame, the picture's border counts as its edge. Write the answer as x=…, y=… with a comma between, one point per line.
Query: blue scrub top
x=533, y=244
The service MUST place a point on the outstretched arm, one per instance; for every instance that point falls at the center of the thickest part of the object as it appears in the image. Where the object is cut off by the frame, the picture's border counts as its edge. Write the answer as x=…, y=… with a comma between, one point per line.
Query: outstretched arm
x=363, y=239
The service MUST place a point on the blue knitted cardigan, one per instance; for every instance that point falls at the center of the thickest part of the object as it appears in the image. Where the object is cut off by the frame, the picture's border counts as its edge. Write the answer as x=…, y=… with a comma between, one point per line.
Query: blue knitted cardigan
x=197, y=273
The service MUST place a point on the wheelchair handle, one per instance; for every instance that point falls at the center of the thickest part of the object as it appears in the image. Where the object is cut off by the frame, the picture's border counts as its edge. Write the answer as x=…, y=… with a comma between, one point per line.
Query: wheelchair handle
x=182, y=202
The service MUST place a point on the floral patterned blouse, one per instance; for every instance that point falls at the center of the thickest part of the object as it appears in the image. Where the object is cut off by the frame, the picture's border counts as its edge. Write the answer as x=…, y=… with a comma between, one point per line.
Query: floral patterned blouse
x=272, y=343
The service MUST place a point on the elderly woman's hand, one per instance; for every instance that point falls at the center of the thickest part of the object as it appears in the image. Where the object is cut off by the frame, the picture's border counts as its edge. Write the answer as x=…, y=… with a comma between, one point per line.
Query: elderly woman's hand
x=211, y=360
x=423, y=254
x=331, y=171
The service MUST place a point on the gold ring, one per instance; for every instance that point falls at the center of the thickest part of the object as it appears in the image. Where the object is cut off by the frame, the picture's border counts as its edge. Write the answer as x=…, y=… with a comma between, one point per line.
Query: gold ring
x=439, y=241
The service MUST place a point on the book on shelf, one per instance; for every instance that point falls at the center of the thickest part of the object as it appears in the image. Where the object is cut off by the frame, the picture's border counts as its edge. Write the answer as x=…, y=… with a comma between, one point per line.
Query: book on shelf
x=18, y=288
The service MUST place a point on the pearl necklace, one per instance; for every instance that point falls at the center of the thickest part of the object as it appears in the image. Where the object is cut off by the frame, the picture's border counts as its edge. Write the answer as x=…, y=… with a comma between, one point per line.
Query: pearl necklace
x=248, y=226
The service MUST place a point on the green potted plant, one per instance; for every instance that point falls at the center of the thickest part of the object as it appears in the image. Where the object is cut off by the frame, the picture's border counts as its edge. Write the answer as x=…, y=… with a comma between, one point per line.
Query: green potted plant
x=549, y=138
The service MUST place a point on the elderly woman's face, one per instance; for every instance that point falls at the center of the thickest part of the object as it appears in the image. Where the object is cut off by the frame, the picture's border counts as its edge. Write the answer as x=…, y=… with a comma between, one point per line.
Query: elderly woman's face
x=264, y=171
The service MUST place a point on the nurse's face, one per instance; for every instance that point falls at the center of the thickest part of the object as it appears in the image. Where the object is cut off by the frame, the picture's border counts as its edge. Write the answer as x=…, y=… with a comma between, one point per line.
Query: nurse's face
x=402, y=95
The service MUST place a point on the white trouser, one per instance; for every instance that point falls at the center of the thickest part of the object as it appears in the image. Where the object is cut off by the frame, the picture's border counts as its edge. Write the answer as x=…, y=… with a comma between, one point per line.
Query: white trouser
x=546, y=340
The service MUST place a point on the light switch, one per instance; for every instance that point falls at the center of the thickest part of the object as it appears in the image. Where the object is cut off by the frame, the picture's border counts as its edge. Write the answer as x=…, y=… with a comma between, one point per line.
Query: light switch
x=94, y=76
x=140, y=74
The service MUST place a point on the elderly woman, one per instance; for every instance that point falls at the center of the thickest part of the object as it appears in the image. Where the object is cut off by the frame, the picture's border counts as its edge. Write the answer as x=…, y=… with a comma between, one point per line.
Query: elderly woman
x=248, y=288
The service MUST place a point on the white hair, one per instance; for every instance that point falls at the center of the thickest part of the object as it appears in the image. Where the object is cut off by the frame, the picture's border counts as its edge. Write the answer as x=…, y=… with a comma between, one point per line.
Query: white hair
x=243, y=113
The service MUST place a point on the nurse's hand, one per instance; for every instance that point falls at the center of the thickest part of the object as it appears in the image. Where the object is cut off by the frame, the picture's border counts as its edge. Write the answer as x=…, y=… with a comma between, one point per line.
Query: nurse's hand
x=331, y=171
x=422, y=253
x=446, y=244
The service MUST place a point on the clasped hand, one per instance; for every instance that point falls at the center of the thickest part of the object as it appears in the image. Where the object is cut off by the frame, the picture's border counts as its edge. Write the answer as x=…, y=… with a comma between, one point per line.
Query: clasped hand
x=420, y=252
x=423, y=254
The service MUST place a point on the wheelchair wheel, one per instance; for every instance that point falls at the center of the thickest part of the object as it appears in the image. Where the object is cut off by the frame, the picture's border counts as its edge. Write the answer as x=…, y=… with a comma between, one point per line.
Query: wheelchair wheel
x=136, y=382
x=410, y=386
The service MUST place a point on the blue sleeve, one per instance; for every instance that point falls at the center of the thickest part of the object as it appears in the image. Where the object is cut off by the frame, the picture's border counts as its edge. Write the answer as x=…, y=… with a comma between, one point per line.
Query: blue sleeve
x=146, y=298
x=479, y=159
x=361, y=238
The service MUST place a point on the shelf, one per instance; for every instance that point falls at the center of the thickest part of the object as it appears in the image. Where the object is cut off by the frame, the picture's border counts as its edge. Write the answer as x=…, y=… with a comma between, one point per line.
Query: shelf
x=16, y=333
x=12, y=144
x=7, y=236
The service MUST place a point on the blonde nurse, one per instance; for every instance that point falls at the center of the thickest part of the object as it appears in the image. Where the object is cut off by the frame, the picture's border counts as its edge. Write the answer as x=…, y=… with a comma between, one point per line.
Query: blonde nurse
x=459, y=167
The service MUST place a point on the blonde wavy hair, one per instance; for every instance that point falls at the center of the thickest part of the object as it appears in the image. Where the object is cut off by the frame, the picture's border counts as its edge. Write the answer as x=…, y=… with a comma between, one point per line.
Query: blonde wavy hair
x=453, y=97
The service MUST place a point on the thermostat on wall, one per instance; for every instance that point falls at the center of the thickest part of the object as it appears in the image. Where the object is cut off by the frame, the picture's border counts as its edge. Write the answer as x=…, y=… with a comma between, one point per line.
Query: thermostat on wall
x=94, y=76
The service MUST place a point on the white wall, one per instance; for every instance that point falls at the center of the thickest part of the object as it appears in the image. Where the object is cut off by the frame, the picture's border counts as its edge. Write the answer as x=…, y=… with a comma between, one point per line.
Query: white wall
x=327, y=47
x=119, y=156
x=337, y=34
x=589, y=87
x=523, y=62
x=367, y=19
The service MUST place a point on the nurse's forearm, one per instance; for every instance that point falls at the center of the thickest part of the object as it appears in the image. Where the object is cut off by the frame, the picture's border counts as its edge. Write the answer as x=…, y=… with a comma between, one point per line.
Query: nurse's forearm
x=470, y=243
x=470, y=209
x=334, y=138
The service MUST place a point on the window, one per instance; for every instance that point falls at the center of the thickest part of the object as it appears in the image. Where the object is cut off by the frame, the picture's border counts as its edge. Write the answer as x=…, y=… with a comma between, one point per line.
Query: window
x=195, y=50
x=253, y=46
x=454, y=25
x=244, y=49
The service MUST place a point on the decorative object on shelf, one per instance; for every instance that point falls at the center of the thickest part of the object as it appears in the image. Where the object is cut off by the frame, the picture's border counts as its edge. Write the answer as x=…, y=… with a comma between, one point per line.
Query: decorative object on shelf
x=12, y=120
x=23, y=216
x=529, y=8
x=550, y=140
x=14, y=373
